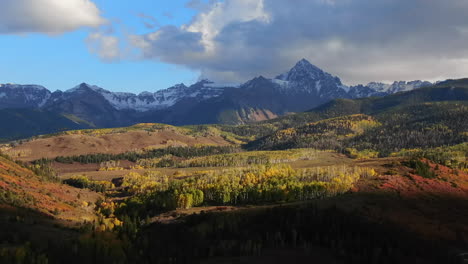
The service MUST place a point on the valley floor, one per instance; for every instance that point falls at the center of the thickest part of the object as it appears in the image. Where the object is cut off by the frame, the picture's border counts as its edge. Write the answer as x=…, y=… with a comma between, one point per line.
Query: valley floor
x=433, y=207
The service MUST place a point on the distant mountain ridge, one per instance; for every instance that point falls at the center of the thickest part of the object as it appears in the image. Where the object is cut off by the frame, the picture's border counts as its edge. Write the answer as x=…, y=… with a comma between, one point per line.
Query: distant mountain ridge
x=303, y=77
x=23, y=96
x=396, y=87
x=161, y=99
x=303, y=87
x=35, y=96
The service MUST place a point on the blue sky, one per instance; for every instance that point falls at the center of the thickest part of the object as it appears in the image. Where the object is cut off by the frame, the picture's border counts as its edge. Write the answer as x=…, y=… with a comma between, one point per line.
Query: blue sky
x=146, y=45
x=63, y=61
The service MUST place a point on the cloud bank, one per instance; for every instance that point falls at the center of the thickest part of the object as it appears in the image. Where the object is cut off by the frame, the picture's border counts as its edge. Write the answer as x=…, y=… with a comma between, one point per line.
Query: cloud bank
x=358, y=40
x=47, y=16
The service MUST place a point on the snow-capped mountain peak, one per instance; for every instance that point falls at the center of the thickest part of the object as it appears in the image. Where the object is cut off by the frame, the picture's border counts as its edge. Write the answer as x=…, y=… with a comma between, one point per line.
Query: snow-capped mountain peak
x=84, y=87
x=308, y=78
x=23, y=96
x=398, y=86
x=146, y=101
x=303, y=70
x=23, y=86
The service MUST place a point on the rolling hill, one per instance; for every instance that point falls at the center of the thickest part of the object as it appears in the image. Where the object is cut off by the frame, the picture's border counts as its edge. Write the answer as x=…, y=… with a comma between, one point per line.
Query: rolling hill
x=117, y=140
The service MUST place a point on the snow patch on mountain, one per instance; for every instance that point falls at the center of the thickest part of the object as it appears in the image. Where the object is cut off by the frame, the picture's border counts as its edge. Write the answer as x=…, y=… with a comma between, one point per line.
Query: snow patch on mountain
x=345, y=88
x=146, y=101
x=399, y=86
x=44, y=100
x=318, y=86
x=82, y=88
x=23, y=96
x=13, y=86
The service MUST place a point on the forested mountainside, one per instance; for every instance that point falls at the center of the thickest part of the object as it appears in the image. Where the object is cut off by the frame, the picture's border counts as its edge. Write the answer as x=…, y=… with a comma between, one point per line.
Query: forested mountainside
x=412, y=126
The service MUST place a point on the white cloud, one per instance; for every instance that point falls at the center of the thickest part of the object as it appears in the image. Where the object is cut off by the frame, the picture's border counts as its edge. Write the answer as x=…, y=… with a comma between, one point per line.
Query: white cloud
x=107, y=47
x=358, y=40
x=47, y=16
x=222, y=14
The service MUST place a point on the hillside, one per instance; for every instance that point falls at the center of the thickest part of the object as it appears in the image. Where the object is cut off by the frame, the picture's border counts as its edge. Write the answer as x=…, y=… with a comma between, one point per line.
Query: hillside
x=414, y=126
x=24, y=189
x=448, y=91
x=426, y=117
x=324, y=134
x=115, y=140
x=45, y=221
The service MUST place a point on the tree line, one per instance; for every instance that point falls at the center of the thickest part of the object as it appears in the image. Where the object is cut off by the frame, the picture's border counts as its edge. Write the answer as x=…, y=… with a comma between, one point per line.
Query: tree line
x=183, y=152
x=254, y=185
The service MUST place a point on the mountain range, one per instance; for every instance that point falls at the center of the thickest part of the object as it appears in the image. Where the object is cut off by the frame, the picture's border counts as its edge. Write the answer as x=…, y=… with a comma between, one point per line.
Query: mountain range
x=303, y=87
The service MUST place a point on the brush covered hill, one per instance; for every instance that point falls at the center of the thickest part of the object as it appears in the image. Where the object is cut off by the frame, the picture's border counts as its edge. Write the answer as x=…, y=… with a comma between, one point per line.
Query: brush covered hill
x=118, y=140
x=23, y=188
x=45, y=221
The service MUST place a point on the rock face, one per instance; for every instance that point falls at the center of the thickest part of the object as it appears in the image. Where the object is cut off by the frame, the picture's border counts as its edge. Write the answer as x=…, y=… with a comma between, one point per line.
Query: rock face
x=303, y=87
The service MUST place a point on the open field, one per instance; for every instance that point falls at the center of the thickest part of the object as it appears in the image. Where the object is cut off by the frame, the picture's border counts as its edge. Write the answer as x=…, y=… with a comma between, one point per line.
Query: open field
x=417, y=205
x=92, y=170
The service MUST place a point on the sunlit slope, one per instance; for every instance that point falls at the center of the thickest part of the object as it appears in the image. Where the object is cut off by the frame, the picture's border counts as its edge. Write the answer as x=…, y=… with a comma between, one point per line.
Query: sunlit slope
x=22, y=188
x=117, y=140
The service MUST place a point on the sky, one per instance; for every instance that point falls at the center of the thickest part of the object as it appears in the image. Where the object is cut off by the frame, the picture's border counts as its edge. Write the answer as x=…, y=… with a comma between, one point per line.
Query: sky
x=147, y=45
